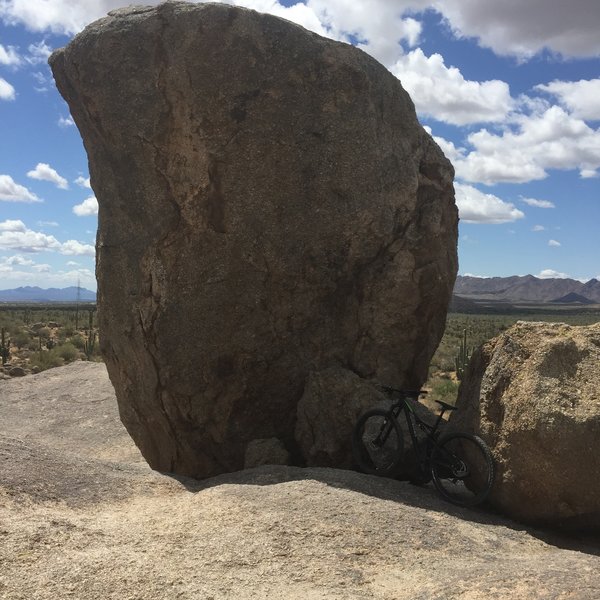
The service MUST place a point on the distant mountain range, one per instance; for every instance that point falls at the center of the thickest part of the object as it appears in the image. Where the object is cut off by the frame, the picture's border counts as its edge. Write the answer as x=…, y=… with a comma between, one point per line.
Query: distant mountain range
x=528, y=289
x=500, y=289
x=36, y=294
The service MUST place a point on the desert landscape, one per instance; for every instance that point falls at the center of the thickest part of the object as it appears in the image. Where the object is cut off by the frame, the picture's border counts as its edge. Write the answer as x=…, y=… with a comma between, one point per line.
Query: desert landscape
x=281, y=201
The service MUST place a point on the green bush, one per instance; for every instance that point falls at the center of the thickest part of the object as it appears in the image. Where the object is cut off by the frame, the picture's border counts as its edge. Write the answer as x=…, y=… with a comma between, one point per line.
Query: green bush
x=78, y=341
x=67, y=352
x=46, y=360
x=21, y=339
x=444, y=389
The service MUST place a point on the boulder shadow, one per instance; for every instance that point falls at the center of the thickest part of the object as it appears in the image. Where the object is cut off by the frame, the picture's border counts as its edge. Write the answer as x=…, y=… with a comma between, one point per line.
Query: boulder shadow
x=424, y=497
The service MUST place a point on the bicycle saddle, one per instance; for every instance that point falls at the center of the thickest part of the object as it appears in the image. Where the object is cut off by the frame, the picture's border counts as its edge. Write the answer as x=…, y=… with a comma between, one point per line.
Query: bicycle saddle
x=445, y=405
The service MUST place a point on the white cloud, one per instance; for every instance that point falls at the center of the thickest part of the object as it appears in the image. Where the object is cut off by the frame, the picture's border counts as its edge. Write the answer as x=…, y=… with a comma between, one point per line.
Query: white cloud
x=10, y=191
x=38, y=53
x=525, y=28
x=9, y=56
x=579, y=97
x=15, y=236
x=57, y=16
x=449, y=149
x=538, y=203
x=83, y=182
x=12, y=225
x=551, y=274
x=27, y=241
x=47, y=224
x=588, y=173
x=476, y=207
x=42, y=268
x=66, y=121
x=18, y=260
x=44, y=172
x=525, y=152
x=443, y=93
x=75, y=248
x=538, y=228
x=379, y=25
x=87, y=208
x=7, y=91
x=298, y=13
x=554, y=243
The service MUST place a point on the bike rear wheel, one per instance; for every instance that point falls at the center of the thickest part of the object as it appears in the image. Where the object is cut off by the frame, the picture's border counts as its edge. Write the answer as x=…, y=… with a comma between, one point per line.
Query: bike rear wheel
x=462, y=469
x=377, y=443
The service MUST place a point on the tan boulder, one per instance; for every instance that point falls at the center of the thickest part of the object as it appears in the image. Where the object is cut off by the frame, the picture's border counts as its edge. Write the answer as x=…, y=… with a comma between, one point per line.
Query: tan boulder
x=533, y=394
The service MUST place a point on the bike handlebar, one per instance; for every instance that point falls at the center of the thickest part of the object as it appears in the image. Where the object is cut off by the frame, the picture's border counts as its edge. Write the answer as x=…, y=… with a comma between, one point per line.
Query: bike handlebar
x=405, y=393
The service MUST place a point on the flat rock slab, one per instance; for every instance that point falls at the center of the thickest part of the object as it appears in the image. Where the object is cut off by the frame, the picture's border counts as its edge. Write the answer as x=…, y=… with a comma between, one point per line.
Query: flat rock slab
x=91, y=528
x=71, y=408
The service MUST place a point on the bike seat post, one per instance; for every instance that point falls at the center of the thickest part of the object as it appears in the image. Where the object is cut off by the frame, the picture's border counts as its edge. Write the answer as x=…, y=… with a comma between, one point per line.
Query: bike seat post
x=439, y=419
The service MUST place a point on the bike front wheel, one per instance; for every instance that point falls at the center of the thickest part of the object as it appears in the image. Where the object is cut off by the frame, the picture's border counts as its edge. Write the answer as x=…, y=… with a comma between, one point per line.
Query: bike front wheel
x=377, y=443
x=462, y=469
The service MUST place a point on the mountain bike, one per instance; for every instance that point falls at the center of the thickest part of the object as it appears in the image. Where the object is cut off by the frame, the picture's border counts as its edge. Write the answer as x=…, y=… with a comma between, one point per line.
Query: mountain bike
x=459, y=464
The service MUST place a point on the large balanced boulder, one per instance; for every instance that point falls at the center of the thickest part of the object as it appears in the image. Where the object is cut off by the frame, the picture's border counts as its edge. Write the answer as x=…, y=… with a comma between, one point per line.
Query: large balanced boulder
x=533, y=394
x=268, y=205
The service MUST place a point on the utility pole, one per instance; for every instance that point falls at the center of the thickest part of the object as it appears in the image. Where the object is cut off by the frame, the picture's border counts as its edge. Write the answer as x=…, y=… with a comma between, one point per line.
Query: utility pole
x=78, y=299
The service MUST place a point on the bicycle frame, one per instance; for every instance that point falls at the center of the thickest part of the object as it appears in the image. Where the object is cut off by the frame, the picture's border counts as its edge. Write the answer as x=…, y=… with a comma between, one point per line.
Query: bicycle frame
x=402, y=406
x=459, y=463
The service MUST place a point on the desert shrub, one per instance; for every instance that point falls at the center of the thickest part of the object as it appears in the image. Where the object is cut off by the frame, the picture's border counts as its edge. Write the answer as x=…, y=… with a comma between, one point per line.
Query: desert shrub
x=21, y=339
x=44, y=333
x=46, y=360
x=78, y=341
x=444, y=389
x=67, y=352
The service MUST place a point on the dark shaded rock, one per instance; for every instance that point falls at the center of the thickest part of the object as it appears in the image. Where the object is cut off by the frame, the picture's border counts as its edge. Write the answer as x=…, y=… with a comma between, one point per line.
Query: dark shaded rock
x=17, y=372
x=533, y=394
x=268, y=205
x=266, y=452
x=332, y=402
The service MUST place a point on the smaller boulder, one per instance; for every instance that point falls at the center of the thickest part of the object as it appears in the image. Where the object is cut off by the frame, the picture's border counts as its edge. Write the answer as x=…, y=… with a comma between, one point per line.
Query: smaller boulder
x=269, y=451
x=533, y=394
x=17, y=372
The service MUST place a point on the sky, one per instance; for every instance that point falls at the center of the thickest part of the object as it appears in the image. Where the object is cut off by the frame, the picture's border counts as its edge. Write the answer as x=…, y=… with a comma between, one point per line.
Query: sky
x=509, y=90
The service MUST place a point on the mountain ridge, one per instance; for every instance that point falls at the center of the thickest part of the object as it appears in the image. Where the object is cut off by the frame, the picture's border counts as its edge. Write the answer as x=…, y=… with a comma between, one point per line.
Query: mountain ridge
x=37, y=294
x=526, y=288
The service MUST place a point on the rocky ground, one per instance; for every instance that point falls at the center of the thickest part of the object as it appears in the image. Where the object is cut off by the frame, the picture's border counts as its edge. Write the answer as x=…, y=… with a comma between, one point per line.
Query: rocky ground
x=82, y=516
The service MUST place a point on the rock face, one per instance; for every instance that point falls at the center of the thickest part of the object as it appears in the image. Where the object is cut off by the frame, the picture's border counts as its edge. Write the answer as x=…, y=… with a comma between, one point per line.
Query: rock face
x=332, y=402
x=533, y=394
x=268, y=205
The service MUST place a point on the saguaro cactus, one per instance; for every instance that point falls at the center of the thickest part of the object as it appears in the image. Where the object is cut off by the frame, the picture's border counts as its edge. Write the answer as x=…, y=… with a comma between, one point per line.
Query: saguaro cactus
x=90, y=344
x=463, y=357
x=4, y=347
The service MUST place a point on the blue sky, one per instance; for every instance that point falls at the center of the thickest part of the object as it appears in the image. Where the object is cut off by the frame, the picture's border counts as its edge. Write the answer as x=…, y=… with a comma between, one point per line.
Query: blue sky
x=510, y=90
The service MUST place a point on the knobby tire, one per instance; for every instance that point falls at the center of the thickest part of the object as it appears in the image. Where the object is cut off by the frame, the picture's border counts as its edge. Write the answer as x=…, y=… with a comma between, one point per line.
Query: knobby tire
x=462, y=469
